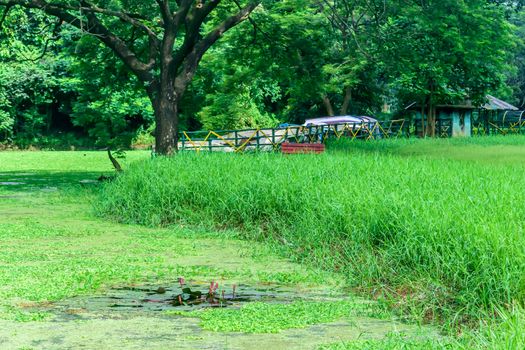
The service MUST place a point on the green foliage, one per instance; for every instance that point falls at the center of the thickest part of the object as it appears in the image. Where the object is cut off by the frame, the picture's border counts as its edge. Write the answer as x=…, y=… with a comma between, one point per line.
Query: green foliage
x=515, y=87
x=236, y=111
x=456, y=51
x=6, y=125
x=306, y=62
x=144, y=137
x=70, y=78
x=288, y=63
x=393, y=341
x=108, y=118
x=112, y=114
x=431, y=233
x=273, y=318
x=26, y=88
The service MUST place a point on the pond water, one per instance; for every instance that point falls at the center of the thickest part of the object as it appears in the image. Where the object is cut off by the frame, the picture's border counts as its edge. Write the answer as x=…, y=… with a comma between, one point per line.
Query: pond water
x=186, y=296
x=134, y=317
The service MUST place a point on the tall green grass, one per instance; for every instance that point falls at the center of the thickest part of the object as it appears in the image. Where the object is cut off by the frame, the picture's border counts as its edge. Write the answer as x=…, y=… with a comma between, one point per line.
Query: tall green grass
x=503, y=333
x=442, y=235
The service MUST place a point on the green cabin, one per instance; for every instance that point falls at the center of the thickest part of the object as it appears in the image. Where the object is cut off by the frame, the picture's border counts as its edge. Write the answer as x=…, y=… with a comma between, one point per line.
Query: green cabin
x=464, y=120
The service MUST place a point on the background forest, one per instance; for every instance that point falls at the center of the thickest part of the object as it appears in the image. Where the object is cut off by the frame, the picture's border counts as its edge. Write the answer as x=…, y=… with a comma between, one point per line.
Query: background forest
x=294, y=59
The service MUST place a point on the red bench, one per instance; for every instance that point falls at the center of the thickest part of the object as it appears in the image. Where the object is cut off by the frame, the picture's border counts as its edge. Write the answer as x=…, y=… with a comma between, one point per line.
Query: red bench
x=297, y=148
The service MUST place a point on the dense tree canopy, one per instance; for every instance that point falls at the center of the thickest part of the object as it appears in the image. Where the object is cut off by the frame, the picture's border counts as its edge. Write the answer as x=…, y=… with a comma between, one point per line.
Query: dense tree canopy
x=109, y=70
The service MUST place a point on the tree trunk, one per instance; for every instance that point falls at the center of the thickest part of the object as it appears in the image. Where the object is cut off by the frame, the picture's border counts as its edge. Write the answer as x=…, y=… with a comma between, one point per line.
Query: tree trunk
x=433, y=130
x=165, y=106
x=423, y=129
x=167, y=129
x=346, y=101
x=328, y=106
x=431, y=118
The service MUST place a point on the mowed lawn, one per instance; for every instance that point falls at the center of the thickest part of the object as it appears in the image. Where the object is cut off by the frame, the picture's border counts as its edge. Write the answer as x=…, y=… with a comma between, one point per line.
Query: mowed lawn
x=502, y=150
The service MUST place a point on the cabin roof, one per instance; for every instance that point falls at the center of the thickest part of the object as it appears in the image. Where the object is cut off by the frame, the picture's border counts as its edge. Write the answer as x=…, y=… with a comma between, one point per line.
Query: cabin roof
x=492, y=103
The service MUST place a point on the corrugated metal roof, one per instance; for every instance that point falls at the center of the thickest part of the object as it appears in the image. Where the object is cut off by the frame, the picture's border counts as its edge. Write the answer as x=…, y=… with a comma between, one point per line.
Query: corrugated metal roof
x=494, y=103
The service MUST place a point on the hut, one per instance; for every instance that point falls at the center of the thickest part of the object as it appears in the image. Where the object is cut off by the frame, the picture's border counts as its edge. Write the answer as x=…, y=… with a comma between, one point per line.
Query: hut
x=462, y=120
x=498, y=117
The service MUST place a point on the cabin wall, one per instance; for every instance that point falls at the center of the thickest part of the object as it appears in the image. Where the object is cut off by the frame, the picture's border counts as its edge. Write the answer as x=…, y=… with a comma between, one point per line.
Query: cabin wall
x=461, y=123
x=468, y=123
x=449, y=123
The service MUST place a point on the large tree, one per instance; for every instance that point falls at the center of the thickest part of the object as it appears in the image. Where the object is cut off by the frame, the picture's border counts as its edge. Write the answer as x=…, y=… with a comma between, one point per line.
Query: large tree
x=446, y=52
x=161, y=42
x=318, y=66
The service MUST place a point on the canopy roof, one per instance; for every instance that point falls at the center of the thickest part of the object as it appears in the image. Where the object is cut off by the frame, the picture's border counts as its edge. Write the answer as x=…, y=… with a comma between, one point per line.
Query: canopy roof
x=345, y=119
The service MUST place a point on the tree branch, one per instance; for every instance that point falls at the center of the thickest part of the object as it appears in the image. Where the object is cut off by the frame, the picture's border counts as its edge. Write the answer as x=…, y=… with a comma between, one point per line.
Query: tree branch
x=192, y=60
x=54, y=36
x=182, y=12
x=194, y=18
x=165, y=11
x=141, y=70
x=256, y=28
x=121, y=15
x=95, y=27
x=4, y=15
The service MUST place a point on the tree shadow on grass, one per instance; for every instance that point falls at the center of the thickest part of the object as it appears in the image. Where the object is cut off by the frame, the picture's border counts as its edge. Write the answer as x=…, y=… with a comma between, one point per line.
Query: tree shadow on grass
x=23, y=181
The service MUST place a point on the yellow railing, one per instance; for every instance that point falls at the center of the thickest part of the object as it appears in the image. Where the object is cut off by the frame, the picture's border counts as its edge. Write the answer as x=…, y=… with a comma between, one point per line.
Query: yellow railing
x=271, y=139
